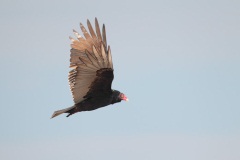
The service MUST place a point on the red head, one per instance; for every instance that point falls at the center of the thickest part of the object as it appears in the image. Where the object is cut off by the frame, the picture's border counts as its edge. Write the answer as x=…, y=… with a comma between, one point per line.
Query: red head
x=123, y=97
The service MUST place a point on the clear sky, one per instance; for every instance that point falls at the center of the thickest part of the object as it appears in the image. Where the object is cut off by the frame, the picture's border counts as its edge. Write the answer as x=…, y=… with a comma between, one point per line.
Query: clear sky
x=177, y=61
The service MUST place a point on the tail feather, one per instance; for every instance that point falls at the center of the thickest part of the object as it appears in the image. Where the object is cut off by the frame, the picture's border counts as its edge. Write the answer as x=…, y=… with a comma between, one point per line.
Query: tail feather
x=57, y=113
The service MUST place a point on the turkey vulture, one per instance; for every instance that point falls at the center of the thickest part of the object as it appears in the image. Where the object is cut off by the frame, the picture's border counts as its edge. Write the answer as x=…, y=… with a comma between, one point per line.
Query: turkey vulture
x=91, y=76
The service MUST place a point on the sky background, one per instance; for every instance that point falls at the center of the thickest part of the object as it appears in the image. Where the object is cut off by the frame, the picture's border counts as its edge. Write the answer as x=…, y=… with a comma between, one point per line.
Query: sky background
x=177, y=61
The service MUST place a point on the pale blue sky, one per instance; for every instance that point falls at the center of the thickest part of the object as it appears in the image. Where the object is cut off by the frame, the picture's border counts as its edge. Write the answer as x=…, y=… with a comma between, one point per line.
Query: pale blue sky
x=177, y=61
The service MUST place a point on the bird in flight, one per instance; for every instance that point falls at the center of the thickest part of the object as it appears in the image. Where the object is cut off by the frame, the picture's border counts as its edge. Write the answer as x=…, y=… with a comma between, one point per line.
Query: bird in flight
x=91, y=77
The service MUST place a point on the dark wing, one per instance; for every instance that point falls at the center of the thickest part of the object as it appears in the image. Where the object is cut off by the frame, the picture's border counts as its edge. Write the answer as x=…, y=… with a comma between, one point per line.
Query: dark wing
x=91, y=61
x=102, y=83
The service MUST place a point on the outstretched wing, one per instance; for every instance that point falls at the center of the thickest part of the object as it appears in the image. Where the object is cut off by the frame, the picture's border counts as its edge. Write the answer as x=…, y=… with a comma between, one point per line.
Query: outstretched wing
x=91, y=61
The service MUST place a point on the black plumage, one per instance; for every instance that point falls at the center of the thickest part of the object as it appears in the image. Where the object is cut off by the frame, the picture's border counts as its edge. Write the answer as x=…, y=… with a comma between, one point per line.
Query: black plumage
x=91, y=76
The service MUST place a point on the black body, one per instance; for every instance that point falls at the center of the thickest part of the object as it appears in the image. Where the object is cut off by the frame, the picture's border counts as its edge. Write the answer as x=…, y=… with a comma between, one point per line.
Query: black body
x=95, y=102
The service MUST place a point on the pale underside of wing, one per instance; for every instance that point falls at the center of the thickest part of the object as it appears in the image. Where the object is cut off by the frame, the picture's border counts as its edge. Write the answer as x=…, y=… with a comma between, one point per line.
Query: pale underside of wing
x=88, y=55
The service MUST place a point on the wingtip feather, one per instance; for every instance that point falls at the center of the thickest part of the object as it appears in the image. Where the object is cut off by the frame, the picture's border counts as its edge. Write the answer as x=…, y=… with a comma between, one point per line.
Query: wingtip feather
x=76, y=34
x=71, y=39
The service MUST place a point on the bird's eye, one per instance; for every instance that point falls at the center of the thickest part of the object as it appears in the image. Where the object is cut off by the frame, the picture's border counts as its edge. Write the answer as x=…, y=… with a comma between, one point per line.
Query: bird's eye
x=121, y=96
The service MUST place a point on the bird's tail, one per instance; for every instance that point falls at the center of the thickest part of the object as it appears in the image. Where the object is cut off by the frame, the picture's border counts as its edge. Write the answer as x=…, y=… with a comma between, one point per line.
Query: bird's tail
x=66, y=110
